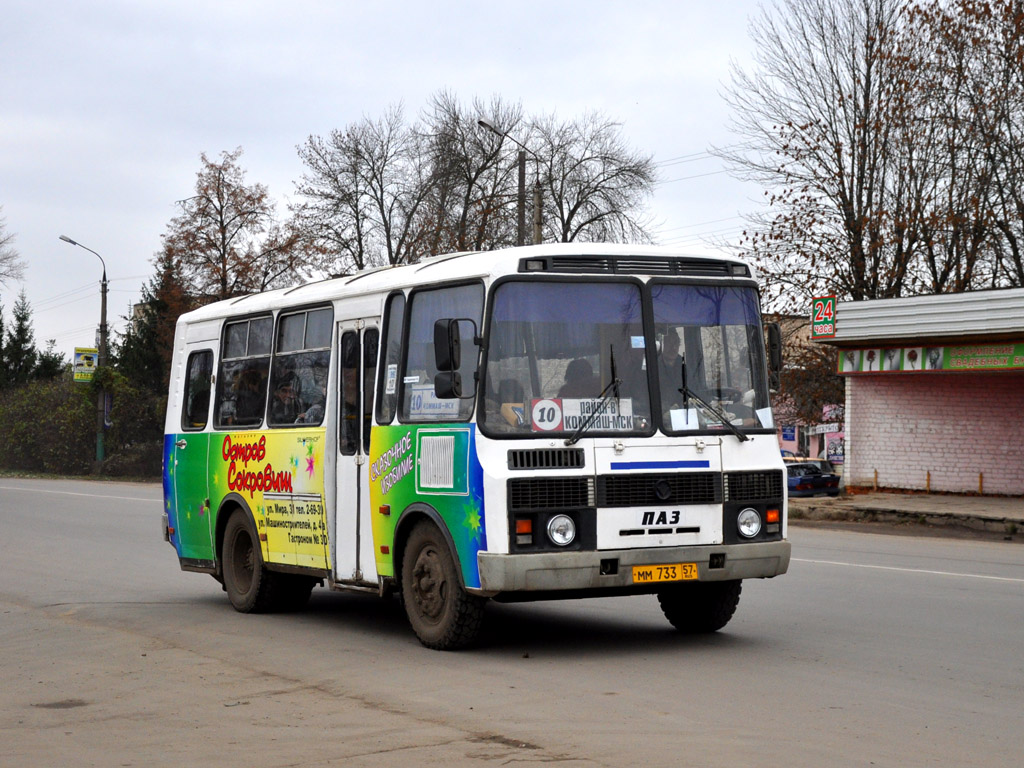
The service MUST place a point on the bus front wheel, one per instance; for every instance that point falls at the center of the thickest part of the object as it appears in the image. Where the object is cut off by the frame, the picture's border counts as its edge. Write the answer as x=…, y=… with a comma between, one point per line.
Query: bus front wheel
x=699, y=607
x=442, y=614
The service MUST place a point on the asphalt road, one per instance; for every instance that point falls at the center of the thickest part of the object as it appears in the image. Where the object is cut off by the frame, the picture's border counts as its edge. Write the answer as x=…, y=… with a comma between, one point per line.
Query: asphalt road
x=872, y=650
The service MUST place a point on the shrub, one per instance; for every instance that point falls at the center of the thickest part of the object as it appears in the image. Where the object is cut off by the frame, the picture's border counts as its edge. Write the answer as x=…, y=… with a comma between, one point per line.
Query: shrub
x=50, y=426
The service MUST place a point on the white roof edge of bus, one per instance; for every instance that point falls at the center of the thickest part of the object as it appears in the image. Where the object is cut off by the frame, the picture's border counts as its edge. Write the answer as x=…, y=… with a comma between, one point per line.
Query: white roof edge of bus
x=432, y=269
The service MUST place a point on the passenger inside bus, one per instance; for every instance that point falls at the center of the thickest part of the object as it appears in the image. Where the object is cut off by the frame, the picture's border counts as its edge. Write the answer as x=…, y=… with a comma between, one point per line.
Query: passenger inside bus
x=284, y=408
x=249, y=397
x=580, y=381
x=670, y=369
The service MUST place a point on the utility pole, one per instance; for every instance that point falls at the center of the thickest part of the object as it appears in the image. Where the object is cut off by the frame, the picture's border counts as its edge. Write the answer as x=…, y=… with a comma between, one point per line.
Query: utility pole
x=521, y=212
x=102, y=397
x=537, y=201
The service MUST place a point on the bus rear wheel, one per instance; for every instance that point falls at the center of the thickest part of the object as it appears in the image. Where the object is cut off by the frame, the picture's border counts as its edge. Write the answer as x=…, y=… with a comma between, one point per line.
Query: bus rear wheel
x=442, y=614
x=700, y=607
x=250, y=586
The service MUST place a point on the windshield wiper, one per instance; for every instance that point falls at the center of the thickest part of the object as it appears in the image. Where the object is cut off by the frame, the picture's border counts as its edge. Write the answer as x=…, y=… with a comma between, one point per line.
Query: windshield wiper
x=615, y=377
x=605, y=396
x=687, y=394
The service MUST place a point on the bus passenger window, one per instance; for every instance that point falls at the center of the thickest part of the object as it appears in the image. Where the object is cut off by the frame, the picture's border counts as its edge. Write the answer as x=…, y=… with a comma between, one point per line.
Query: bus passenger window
x=196, y=400
x=387, y=382
x=371, y=339
x=302, y=360
x=244, y=368
x=419, y=400
x=348, y=422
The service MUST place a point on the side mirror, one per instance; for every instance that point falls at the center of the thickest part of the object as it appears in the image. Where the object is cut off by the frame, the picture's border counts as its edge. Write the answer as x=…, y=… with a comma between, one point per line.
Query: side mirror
x=774, y=356
x=448, y=385
x=447, y=345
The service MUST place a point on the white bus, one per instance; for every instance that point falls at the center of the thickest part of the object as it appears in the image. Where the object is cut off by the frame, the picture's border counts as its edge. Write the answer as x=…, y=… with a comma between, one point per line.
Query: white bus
x=552, y=421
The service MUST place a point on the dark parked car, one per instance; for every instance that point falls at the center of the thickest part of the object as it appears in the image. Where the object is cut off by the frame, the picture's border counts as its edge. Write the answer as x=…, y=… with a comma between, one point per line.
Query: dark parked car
x=823, y=464
x=806, y=479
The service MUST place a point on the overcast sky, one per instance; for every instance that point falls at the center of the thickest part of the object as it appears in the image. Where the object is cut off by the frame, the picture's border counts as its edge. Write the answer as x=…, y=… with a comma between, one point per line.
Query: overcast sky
x=106, y=106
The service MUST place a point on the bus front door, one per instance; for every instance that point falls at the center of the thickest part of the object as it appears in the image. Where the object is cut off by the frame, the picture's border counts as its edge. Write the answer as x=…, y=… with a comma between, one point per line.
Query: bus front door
x=358, y=342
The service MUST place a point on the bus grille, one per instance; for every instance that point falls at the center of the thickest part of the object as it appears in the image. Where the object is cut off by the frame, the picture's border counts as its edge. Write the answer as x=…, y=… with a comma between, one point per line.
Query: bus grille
x=546, y=458
x=753, y=486
x=536, y=493
x=647, y=490
x=634, y=265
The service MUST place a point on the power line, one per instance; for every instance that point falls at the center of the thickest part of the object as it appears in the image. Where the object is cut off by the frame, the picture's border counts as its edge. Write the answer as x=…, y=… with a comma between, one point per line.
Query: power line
x=698, y=224
x=36, y=310
x=695, y=176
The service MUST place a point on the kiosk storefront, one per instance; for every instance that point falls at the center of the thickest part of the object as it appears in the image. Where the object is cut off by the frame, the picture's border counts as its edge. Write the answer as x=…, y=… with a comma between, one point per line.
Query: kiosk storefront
x=934, y=391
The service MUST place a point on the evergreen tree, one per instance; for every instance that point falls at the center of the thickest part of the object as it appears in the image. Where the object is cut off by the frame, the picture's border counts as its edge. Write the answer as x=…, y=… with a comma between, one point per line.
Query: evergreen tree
x=19, y=348
x=143, y=352
x=50, y=363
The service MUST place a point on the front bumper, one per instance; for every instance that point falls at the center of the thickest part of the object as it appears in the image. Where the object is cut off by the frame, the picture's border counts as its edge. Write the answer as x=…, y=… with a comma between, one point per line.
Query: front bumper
x=613, y=569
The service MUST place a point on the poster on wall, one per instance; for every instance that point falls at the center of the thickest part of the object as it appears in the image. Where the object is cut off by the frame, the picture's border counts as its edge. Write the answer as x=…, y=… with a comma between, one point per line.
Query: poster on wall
x=956, y=359
x=823, y=317
x=85, y=363
x=834, y=450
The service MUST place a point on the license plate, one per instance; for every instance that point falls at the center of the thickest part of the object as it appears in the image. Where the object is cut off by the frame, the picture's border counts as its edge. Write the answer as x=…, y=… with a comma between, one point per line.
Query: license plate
x=649, y=574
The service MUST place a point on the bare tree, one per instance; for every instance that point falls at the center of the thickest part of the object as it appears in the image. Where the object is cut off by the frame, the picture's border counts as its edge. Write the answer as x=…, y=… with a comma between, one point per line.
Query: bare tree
x=471, y=203
x=383, y=192
x=363, y=191
x=11, y=265
x=817, y=119
x=227, y=239
x=975, y=73
x=595, y=186
x=887, y=135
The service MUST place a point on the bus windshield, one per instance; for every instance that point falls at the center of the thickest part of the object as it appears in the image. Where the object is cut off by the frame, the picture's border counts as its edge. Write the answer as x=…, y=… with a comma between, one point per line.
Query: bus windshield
x=710, y=360
x=558, y=351
x=554, y=347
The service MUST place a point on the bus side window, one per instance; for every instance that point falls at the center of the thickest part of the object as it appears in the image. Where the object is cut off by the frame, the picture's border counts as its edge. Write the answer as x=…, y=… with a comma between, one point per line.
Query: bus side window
x=244, y=368
x=302, y=360
x=196, y=402
x=348, y=424
x=416, y=384
x=387, y=381
x=371, y=340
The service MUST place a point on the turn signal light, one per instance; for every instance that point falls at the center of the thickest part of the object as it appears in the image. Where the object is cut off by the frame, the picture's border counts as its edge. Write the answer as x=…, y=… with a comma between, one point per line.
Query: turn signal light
x=771, y=516
x=524, y=530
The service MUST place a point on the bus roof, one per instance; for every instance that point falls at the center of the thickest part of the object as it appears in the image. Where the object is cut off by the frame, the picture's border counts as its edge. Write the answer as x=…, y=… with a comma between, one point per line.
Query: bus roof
x=434, y=269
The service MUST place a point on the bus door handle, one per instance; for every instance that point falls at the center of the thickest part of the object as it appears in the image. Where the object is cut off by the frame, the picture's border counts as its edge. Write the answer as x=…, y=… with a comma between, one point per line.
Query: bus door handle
x=183, y=443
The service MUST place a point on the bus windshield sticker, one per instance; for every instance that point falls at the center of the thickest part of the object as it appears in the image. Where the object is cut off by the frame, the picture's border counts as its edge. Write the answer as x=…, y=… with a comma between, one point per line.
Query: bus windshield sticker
x=684, y=419
x=566, y=414
x=424, y=403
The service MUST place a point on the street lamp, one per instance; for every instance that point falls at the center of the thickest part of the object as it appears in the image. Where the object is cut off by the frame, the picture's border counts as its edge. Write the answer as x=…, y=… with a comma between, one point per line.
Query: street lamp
x=523, y=149
x=103, y=352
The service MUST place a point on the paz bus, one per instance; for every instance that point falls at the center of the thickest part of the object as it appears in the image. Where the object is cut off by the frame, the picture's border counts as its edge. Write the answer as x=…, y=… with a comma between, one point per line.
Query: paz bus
x=552, y=421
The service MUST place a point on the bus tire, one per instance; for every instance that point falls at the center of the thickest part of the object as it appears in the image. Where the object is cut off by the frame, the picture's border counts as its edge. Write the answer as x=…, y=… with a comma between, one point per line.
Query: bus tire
x=442, y=614
x=250, y=586
x=700, y=607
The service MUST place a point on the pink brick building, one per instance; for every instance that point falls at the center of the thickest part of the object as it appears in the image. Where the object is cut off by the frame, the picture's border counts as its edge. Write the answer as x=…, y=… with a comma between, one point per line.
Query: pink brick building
x=934, y=392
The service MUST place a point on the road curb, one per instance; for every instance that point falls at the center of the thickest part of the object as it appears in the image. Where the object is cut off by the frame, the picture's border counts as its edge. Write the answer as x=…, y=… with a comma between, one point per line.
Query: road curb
x=847, y=510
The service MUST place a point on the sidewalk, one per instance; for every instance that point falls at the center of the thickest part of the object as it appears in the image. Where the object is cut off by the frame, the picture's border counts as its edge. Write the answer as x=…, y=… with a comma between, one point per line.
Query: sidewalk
x=996, y=514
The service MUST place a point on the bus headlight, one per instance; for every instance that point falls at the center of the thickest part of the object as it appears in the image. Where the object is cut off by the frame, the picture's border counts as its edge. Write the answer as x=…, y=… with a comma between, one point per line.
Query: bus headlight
x=561, y=530
x=749, y=523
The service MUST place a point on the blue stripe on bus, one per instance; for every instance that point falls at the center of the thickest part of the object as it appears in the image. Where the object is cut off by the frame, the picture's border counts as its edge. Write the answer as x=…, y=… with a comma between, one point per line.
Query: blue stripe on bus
x=661, y=464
